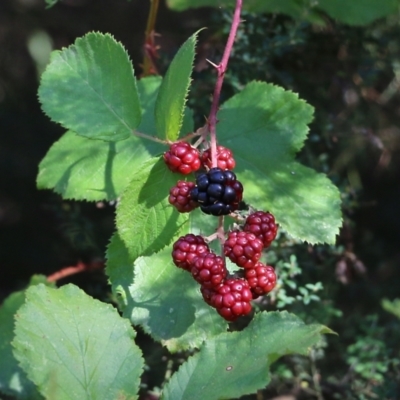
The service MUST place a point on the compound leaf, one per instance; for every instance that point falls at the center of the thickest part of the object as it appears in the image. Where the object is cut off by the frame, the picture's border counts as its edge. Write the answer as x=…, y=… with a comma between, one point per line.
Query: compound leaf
x=237, y=363
x=13, y=380
x=146, y=222
x=265, y=126
x=166, y=302
x=90, y=88
x=171, y=99
x=72, y=346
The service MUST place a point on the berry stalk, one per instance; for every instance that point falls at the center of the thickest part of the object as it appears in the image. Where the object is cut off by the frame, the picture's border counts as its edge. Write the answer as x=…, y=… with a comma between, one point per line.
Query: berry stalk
x=221, y=69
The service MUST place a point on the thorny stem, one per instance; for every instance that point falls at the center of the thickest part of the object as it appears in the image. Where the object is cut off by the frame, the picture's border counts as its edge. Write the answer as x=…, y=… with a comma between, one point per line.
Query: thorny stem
x=212, y=118
x=150, y=49
x=221, y=69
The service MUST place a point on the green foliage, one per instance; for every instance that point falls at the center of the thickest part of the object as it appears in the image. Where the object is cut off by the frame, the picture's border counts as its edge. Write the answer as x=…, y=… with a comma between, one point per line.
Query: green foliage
x=83, y=169
x=392, y=306
x=171, y=99
x=90, y=89
x=108, y=153
x=287, y=272
x=369, y=356
x=358, y=12
x=79, y=339
x=13, y=380
x=51, y=3
x=306, y=204
x=167, y=303
x=237, y=363
x=146, y=222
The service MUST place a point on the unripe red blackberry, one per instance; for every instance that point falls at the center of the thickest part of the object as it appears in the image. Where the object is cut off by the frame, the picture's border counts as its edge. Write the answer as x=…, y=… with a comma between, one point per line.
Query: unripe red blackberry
x=263, y=225
x=243, y=248
x=182, y=157
x=179, y=197
x=186, y=249
x=207, y=294
x=261, y=279
x=209, y=270
x=225, y=158
x=232, y=299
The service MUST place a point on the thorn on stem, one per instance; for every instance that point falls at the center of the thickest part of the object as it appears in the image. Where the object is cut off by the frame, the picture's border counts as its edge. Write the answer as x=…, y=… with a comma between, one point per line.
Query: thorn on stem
x=214, y=65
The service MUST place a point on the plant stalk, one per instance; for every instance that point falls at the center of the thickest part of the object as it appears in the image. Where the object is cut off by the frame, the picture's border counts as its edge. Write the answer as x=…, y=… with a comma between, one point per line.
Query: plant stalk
x=150, y=48
x=221, y=69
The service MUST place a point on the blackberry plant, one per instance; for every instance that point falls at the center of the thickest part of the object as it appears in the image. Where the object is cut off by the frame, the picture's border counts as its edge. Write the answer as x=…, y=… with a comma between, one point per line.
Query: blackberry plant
x=133, y=139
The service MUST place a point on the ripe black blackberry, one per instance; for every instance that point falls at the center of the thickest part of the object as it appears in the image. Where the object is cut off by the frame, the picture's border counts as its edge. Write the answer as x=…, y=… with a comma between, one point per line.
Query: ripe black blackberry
x=218, y=192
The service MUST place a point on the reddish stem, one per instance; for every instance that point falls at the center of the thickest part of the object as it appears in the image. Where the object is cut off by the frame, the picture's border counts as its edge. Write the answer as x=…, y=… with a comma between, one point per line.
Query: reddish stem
x=75, y=269
x=221, y=69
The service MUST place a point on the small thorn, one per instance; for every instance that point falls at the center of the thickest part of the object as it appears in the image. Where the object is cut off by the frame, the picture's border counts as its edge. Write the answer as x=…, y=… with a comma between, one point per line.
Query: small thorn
x=214, y=65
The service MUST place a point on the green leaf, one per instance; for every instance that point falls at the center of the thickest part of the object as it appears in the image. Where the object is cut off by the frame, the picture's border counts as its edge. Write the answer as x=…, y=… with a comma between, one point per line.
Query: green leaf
x=148, y=88
x=74, y=347
x=13, y=380
x=93, y=170
x=171, y=99
x=358, y=12
x=392, y=307
x=294, y=8
x=237, y=363
x=51, y=3
x=265, y=126
x=146, y=221
x=119, y=269
x=90, y=88
x=167, y=304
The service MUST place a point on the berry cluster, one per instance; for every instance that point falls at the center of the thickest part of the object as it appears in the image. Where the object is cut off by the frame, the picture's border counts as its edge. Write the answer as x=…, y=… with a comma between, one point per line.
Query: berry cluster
x=218, y=192
x=230, y=296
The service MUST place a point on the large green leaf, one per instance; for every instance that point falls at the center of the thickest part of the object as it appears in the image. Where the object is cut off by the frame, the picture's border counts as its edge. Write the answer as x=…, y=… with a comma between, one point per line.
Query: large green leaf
x=83, y=169
x=146, y=221
x=291, y=7
x=167, y=303
x=171, y=99
x=237, y=363
x=13, y=380
x=359, y=12
x=74, y=347
x=355, y=12
x=148, y=88
x=94, y=170
x=265, y=126
x=90, y=88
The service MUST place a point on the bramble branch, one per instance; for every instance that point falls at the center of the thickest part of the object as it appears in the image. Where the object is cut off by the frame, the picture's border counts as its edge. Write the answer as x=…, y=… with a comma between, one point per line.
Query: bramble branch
x=221, y=69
